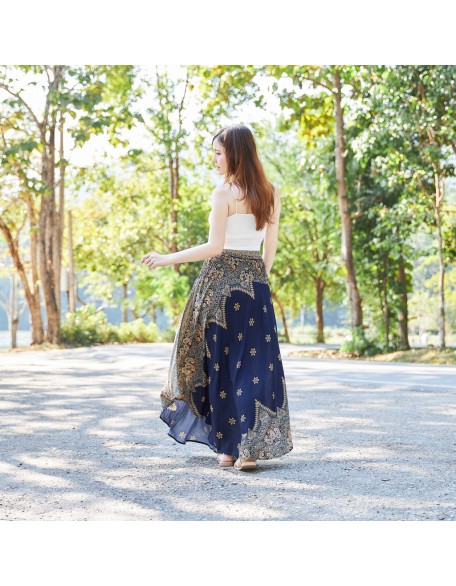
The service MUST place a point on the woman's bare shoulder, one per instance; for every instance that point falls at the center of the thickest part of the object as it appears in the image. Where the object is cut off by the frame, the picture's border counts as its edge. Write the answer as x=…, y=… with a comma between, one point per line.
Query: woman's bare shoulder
x=222, y=192
x=222, y=189
x=220, y=196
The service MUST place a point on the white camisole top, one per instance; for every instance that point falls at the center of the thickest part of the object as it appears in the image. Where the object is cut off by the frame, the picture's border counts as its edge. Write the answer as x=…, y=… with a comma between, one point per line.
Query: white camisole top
x=241, y=232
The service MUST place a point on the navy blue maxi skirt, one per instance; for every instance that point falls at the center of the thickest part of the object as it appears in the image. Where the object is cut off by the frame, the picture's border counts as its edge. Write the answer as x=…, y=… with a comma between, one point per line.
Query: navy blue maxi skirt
x=226, y=384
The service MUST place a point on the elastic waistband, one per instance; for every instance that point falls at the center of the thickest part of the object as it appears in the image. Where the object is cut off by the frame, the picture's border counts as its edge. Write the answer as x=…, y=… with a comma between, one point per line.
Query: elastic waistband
x=235, y=266
x=254, y=254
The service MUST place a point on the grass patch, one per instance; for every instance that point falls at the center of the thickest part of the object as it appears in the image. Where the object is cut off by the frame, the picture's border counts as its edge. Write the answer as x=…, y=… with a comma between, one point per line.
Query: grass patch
x=420, y=355
x=415, y=355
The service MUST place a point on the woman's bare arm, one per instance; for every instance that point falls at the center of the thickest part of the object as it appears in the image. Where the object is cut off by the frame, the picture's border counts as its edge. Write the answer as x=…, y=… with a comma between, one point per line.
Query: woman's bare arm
x=272, y=234
x=212, y=247
x=216, y=239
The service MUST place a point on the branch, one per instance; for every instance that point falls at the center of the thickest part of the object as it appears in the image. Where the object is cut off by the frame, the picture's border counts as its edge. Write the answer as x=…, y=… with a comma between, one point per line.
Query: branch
x=24, y=221
x=80, y=300
x=14, y=252
x=315, y=227
x=304, y=267
x=21, y=311
x=181, y=106
x=316, y=82
x=19, y=97
x=423, y=187
x=46, y=69
x=275, y=164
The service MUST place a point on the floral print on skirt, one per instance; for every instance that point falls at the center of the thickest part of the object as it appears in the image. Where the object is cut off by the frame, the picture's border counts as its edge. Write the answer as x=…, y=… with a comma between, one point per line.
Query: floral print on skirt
x=226, y=385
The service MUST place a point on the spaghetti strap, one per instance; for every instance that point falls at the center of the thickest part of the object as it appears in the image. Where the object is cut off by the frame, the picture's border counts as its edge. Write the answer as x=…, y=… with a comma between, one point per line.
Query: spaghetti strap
x=231, y=187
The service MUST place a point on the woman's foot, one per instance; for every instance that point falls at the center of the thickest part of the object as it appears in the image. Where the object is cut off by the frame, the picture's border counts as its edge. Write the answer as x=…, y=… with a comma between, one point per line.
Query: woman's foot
x=245, y=464
x=225, y=460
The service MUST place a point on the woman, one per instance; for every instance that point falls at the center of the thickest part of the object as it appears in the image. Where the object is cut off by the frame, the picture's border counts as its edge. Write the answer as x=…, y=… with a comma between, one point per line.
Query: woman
x=226, y=385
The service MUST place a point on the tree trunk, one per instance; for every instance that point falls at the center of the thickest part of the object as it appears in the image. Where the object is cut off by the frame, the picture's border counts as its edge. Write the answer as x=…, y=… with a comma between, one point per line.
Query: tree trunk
x=439, y=195
x=125, y=302
x=46, y=241
x=282, y=315
x=59, y=220
x=14, y=310
x=403, y=305
x=36, y=322
x=174, y=192
x=439, y=182
x=14, y=328
x=32, y=297
x=347, y=246
x=379, y=286
x=319, y=288
x=71, y=290
x=386, y=313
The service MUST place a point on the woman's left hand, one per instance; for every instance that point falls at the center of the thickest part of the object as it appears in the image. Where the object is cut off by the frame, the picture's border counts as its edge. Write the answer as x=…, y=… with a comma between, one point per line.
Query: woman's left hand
x=154, y=260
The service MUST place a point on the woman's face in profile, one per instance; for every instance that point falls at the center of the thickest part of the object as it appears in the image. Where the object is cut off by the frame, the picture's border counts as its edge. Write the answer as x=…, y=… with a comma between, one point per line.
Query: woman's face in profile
x=219, y=158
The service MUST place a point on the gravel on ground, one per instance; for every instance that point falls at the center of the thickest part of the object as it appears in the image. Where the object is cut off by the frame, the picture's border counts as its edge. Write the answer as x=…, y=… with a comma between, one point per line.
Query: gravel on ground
x=82, y=440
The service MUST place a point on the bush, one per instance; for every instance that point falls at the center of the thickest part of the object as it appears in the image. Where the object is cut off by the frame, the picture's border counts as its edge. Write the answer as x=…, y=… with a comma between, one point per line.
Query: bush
x=359, y=345
x=86, y=326
x=138, y=331
x=395, y=344
x=168, y=335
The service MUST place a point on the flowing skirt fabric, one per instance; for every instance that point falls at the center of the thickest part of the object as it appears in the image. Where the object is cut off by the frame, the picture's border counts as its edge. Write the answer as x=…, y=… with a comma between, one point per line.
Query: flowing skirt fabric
x=226, y=385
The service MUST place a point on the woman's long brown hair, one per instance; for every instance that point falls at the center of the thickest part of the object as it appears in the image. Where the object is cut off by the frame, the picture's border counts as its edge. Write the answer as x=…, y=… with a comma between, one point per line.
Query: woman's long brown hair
x=245, y=170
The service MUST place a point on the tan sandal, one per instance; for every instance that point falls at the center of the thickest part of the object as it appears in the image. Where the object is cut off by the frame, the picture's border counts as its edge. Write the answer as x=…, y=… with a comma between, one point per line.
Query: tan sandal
x=245, y=464
x=225, y=463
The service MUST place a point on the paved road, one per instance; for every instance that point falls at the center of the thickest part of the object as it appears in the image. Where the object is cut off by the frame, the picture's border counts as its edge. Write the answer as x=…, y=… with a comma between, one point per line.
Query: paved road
x=81, y=440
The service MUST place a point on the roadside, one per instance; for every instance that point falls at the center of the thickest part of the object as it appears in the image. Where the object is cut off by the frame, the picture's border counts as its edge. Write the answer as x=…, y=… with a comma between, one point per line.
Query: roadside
x=417, y=355
x=414, y=356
